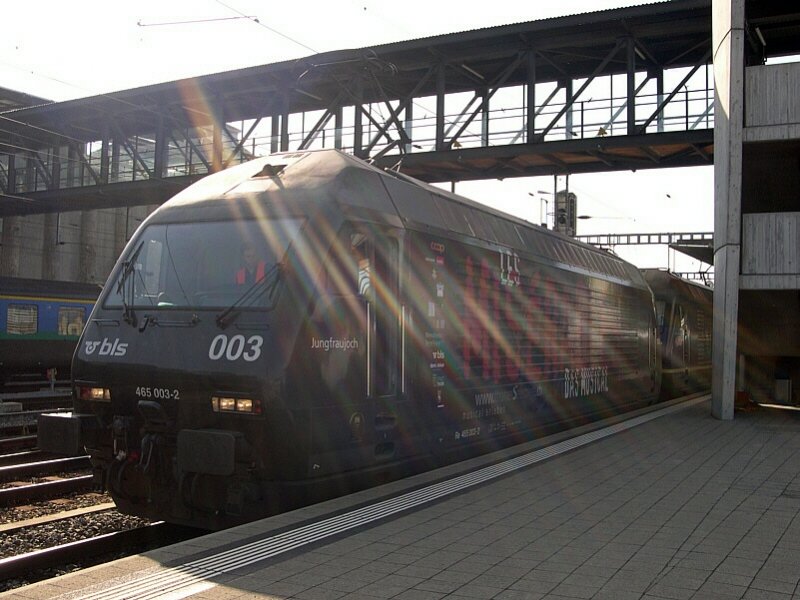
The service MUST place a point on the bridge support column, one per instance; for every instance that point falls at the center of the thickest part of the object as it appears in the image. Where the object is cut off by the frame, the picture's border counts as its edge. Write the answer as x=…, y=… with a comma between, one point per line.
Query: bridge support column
x=440, y=108
x=121, y=222
x=10, y=251
x=630, y=80
x=338, y=126
x=408, y=125
x=50, y=246
x=728, y=48
x=88, y=254
x=660, y=99
x=530, y=105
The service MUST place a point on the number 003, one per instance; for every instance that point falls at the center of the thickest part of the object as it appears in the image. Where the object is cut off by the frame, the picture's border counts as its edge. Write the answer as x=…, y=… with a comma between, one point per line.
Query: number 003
x=235, y=347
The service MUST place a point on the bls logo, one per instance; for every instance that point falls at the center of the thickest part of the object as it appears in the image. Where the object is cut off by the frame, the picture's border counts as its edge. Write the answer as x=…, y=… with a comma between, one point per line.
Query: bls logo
x=107, y=348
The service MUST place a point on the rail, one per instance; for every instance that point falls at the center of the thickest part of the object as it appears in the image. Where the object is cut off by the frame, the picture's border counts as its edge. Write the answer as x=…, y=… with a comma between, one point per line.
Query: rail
x=9, y=444
x=36, y=492
x=38, y=468
x=24, y=420
x=18, y=458
x=92, y=550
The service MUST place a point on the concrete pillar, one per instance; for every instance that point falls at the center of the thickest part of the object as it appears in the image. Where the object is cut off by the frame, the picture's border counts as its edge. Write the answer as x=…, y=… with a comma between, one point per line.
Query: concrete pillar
x=22, y=246
x=69, y=248
x=50, y=247
x=121, y=223
x=9, y=259
x=88, y=248
x=32, y=244
x=728, y=42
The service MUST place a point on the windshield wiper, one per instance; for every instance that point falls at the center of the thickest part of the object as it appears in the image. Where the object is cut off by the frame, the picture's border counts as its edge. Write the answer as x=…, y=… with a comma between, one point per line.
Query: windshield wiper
x=154, y=320
x=264, y=286
x=129, y=266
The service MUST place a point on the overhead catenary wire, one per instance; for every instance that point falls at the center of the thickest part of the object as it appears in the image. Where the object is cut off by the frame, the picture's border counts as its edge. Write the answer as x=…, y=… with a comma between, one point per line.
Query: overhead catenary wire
x=267, y=27
x=240, y=15
x=79, y=161
x=195, y=21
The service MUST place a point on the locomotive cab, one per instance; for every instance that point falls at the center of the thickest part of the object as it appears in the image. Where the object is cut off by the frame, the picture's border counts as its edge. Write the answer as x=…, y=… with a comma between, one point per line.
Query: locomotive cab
x=181, y=361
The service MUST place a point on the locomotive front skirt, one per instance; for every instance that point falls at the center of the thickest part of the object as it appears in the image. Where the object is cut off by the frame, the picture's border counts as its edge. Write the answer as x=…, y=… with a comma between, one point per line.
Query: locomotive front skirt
x=305, y=324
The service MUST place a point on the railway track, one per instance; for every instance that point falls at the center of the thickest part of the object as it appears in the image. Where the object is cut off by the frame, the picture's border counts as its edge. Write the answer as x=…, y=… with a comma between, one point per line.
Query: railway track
x=19, y=415
x=36, y=492
x=43, y=467
x=18, y=490
x=22, y=457
x=40, y=399
x=17, y=443
x=48, y=562
x=33, y=384
x=48, y=403
x=23, y=422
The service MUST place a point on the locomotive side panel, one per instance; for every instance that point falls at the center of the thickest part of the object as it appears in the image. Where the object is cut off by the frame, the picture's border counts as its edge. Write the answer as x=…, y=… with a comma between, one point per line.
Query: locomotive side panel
x=684, y=312
x=508, y=345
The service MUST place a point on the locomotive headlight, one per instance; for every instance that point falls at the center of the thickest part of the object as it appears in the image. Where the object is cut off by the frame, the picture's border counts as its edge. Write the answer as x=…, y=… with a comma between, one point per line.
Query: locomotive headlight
x=225, y=404
x=244, y=405
x=240, y=405
x=96, y=394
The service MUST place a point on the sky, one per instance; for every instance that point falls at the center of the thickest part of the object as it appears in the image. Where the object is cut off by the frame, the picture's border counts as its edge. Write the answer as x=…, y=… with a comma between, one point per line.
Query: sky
x=64, y=50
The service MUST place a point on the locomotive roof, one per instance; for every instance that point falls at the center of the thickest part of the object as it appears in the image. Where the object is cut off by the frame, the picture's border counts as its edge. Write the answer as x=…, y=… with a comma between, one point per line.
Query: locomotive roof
x=301, y=181
x=665, y=284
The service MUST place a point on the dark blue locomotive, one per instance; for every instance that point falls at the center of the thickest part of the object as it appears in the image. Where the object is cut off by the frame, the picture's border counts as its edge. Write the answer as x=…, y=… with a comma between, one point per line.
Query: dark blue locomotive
x=40, y=323
x=684, y=315
x=389, y=324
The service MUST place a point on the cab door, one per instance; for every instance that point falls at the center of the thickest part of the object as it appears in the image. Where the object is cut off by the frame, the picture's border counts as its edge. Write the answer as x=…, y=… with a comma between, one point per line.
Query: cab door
x=378, y=285
x=682, y=341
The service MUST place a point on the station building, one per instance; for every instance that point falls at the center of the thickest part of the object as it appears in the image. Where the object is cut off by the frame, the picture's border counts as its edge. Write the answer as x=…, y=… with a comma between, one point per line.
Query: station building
x=757, y=209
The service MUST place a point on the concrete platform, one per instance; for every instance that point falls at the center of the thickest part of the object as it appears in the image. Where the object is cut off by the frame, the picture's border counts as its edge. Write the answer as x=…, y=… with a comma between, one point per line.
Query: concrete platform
x=681, y=505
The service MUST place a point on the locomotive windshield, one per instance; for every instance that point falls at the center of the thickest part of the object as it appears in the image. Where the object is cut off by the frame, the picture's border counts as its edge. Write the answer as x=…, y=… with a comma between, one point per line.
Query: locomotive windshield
x=200, y=265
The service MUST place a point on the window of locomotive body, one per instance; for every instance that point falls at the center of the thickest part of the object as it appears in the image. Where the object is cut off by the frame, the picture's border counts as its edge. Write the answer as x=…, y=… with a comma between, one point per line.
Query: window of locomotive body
x=70, y=320
x=679, y=322
x=346, y=268
x=22, y=319
x=662, y=330
x=202, y=265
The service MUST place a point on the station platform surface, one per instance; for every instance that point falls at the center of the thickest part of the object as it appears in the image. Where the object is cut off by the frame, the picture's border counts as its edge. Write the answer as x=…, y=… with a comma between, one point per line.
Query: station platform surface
x=671, y=504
